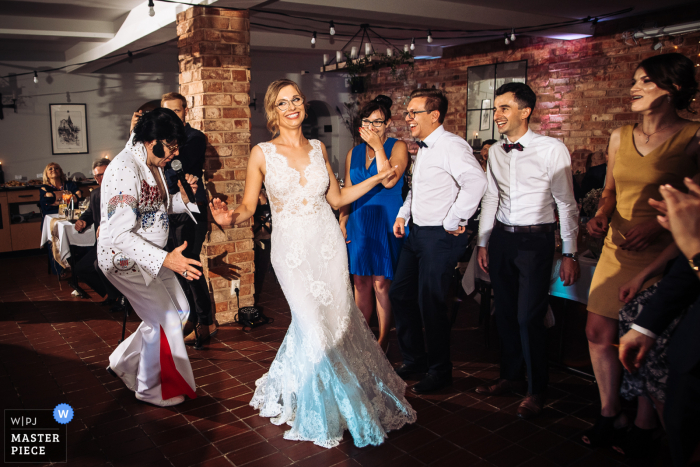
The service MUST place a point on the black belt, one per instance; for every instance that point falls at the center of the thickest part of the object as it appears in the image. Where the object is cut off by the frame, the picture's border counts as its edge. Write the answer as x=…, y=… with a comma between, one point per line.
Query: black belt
x=526, y=228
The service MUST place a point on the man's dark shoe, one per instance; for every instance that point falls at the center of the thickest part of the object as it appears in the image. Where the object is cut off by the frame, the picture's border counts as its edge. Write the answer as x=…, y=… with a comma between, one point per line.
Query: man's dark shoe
x=408, y=372
x=110, y=302
x=502, y=386
x=531, y=406
x=431, y=383
x=121, y=305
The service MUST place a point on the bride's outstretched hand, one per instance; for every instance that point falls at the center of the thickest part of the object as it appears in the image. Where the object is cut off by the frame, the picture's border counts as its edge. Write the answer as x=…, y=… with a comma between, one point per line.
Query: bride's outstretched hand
x=388, y=173
x=220, y=212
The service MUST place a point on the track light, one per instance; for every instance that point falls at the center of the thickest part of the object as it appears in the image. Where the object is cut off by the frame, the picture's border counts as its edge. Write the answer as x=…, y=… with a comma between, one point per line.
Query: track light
x=413, y=43
x=430, y=37
x=151, y=9
x=36, y=78
x=313, y=38
x=332, y=31
x=512, y=35
x=657, y=45
x=507, y=40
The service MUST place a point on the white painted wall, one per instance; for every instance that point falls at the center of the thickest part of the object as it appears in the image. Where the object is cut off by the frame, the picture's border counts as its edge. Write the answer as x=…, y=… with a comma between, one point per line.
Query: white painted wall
x=111, y=95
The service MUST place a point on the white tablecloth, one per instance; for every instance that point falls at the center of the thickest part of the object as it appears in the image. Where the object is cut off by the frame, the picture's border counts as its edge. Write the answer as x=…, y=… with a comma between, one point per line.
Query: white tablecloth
x=577, y=291
x=67, y=235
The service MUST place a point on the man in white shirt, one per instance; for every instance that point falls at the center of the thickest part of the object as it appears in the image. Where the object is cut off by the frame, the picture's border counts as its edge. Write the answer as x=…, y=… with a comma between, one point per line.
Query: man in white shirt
x=446, y=188
x=528, y=175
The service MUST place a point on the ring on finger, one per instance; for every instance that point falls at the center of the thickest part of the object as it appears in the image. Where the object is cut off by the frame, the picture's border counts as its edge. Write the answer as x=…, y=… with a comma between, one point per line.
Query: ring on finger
x=184, y=273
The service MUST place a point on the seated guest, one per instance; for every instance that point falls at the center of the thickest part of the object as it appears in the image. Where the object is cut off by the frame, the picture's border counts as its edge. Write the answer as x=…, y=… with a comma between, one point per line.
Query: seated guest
x=594, y=178
x=373, y=250
x=50, y=197
x=86, y=266
x=483, y=156
x=677, y=291
x=656, y=151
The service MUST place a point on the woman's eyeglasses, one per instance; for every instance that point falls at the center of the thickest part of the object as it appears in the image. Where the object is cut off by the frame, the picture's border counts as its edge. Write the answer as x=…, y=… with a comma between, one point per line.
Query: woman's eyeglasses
x=283, y=105
x=375, y=123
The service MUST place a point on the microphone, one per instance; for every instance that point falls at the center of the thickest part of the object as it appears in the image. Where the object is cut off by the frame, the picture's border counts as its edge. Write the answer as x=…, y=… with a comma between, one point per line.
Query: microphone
x=177, y=167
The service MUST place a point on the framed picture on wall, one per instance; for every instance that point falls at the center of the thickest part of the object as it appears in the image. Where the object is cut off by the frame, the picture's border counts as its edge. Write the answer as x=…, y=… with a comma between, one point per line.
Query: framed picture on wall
x=485, y=122
x=68, y=128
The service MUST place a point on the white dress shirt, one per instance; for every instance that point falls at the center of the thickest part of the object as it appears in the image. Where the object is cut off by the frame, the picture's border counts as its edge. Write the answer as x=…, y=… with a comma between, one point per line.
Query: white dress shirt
x=447, y=183
x=524, y=188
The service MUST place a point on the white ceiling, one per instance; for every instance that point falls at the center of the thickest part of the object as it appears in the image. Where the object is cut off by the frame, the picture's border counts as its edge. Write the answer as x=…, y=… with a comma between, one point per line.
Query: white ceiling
x=70, y=32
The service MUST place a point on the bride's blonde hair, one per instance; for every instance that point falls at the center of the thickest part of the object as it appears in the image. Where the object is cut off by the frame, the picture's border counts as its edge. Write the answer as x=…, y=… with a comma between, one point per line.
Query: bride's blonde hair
x=273, y=119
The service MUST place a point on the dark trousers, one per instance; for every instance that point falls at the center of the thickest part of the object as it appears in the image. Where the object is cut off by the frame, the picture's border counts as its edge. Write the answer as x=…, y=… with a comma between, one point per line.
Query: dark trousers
x=520, y=266
x=418, y=292
x=88, y=271
x=681, y=414
x=197, y=291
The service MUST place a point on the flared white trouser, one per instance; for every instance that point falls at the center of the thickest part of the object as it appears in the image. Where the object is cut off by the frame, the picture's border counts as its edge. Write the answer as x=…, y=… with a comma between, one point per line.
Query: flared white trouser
x=155, y=354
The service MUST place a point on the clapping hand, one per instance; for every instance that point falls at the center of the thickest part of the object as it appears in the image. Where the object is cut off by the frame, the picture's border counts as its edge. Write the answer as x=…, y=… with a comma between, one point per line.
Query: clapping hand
x=641, y=235
x=182, y=265
x=598, y=226
x=220, y=212
x=682, y=216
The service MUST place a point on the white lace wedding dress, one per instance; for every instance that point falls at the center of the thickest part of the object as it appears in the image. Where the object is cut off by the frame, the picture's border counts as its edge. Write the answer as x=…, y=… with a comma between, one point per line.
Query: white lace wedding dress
x=329, y=374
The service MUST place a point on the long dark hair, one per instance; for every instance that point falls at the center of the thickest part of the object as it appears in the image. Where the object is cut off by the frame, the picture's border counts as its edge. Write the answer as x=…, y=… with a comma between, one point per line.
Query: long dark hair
x=160, y=124
x=381, y=102
x=670, y=70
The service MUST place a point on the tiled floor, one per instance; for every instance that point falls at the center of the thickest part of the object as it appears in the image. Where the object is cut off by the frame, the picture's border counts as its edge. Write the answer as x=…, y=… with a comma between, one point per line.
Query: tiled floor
x=55, y=348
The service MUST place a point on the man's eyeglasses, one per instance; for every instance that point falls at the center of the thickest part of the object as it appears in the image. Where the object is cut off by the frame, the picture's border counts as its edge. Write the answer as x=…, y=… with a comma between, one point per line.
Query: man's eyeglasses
x=283, y=105
x=172, y=147
x=412, y=113
x=375, y=123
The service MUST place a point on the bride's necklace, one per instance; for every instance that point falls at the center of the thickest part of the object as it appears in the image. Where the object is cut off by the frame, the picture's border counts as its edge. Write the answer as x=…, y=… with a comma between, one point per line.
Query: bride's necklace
x=652, y=134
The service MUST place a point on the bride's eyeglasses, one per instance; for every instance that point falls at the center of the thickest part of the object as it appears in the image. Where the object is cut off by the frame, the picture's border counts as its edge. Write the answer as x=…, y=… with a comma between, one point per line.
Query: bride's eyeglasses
x=283, y=105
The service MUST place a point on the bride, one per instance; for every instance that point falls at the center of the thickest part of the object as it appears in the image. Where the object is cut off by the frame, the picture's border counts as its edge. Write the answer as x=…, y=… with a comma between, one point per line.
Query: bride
x=329, y=375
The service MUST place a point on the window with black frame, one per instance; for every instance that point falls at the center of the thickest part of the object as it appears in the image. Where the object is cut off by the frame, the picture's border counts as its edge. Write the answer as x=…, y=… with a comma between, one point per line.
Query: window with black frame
x=482, y=82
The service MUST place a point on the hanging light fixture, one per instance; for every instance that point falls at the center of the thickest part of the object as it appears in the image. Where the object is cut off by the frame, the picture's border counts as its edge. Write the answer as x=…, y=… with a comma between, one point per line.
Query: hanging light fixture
x=313, y=38
x=332, y=30
x=430, y=37
x=413, y=43
x=512, y=35
x=151, y=8
x=36, y=78
x=507, y=39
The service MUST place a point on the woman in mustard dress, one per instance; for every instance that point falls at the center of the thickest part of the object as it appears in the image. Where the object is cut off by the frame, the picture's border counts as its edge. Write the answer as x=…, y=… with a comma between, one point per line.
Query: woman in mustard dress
x=662, y=149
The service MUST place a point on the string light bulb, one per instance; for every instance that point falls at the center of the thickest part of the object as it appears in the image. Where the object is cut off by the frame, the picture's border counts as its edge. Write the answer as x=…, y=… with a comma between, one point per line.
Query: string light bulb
x=413, y=43
x=313, y=38
x=36, y=78
x=512, y=35
x=507, y=39
x=151, y=8
x=430, y=37
x=332, y=31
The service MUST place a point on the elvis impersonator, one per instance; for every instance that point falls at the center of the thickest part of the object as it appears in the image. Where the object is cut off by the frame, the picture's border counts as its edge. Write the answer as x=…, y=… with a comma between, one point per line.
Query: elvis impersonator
x=153, y=361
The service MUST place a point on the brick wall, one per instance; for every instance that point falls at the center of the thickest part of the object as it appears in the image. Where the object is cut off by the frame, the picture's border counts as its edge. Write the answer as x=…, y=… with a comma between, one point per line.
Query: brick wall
x=214, y=60
x=581, y=85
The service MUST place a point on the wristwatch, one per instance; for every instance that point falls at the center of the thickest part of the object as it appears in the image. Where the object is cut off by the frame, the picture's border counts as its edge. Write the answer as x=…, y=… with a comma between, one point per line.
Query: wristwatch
x=574, y=256
x=695, y=262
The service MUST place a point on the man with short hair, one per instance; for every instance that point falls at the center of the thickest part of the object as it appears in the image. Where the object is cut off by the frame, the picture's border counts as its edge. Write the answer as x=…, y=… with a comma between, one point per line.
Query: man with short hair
x=528, y=175
x=446, y=188
x=86, y=268
x=182, y=228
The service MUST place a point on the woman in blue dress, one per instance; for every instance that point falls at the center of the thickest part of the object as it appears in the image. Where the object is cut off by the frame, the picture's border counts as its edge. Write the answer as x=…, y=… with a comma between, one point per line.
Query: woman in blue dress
x=373, y=250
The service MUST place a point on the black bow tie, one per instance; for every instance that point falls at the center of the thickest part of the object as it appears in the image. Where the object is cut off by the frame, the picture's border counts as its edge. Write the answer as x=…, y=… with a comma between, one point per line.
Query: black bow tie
x=421, y=144
x=509, y=147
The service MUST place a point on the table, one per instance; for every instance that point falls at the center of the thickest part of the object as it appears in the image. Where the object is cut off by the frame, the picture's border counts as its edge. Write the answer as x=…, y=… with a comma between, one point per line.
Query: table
x=67, y=236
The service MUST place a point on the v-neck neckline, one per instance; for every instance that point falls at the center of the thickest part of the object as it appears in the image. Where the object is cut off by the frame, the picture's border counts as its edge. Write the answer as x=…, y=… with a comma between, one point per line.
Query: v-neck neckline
x=643, y=156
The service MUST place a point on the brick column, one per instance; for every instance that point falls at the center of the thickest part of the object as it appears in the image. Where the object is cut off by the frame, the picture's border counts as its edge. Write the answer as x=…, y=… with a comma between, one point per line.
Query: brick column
x=214, y=60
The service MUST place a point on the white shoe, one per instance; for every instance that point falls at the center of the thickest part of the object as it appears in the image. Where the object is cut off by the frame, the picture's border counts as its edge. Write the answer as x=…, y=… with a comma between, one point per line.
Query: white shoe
x=162, y=403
